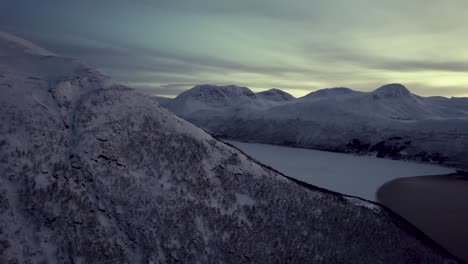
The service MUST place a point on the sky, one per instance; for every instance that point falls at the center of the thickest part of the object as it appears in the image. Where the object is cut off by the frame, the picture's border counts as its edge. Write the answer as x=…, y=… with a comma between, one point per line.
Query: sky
x=165, y=47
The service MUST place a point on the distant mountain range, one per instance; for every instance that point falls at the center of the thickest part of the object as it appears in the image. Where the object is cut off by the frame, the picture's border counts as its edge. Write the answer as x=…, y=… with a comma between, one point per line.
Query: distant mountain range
x=387, y=122
x=94, y=172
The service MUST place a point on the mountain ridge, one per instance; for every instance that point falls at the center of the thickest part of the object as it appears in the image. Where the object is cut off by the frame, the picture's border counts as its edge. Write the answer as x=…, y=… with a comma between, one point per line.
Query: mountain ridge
x=93, y=172
x=392, y=90
x=275, y=94
x=337, y=118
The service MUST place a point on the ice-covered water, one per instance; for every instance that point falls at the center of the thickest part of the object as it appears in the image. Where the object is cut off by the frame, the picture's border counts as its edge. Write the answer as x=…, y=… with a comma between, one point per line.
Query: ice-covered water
x=345, y=173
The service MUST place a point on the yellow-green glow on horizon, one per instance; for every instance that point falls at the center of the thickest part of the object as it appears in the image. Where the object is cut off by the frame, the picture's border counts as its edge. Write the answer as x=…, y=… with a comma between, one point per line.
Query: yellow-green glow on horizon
x=298, y=46
x=424, y=83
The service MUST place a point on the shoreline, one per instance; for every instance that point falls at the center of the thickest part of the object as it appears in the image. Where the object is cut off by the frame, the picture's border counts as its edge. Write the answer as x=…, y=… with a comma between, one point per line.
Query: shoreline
x=356, y=175
x=458, y=167
x=437, y=205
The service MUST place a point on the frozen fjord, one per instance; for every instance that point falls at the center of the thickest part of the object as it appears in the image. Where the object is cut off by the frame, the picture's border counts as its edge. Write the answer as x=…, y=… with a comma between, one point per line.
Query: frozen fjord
x=345, y=173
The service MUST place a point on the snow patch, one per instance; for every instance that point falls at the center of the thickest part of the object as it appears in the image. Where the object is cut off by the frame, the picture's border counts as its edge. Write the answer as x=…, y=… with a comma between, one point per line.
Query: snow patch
x=244, y=199
x=362, y=203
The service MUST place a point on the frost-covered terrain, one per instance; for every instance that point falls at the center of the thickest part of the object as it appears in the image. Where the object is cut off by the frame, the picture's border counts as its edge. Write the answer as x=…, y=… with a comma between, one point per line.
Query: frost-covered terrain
x=355, y=175
x=388, y=122
x=93, y=172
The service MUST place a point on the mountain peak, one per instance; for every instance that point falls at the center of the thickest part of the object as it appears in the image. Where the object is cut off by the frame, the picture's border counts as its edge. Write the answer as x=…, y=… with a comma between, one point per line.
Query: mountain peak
x=11, y=45
x=330, y=92
x=392, y=90
x=276, y=95
x=208, y=95
x=215, y=91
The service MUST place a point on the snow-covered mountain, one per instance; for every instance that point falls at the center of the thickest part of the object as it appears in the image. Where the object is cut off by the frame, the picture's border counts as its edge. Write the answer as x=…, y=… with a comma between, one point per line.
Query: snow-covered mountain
x=388, y=122
x=94, y=172
x=275, y=95
x=229, y=99
x=330, y=93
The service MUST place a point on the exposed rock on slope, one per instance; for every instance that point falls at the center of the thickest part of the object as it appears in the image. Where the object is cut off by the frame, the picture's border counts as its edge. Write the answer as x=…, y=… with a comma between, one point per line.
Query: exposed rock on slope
x=91, y=172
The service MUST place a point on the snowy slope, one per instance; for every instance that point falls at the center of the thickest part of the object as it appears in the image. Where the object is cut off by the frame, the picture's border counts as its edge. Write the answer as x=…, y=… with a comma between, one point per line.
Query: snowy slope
x=395, y=101
x=93, y=172
x=330, y=93
x=204, y=99
x=207, y=96
x=388, y=122
x=275, y=95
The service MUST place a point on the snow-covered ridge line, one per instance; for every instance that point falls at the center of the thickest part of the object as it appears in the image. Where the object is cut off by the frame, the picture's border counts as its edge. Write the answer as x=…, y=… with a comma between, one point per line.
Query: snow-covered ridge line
x=388, y=122
x=392, y=89
x=93, y=172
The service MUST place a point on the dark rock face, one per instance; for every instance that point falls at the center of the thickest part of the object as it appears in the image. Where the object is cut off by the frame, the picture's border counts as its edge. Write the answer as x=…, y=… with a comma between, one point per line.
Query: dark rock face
x=394, y=148
x=387, y=148
x=356, y=146
x=96, y=173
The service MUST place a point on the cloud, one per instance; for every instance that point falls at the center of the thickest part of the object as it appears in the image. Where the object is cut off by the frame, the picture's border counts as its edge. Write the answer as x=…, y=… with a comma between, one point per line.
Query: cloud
x=169, y=90
x=348, y=54
x=157, y=60
x=300, y=45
